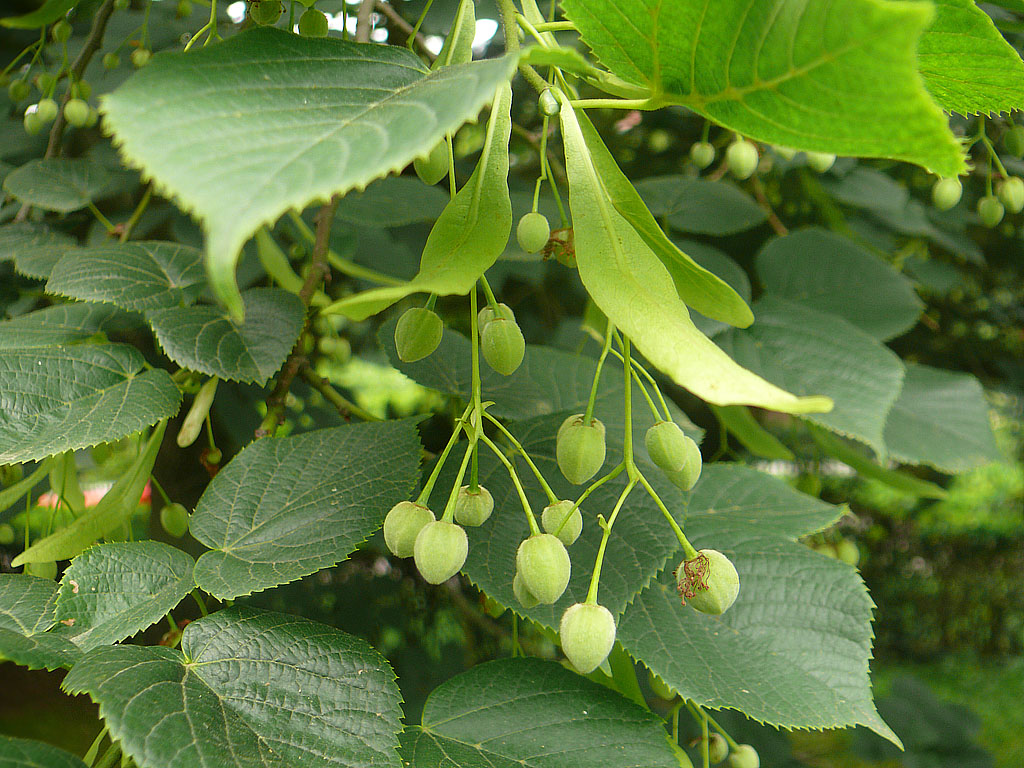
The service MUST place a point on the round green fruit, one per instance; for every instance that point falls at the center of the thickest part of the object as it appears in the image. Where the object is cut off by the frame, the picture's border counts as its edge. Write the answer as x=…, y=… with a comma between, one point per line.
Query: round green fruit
x=46, y=570
x=708, y=582
x=659, y=687
x=32, y=123
x=472, y=508
x=488, y=313
x=440, y=551
x=434, y=167
x=265, y=12
x=688, y=476
x=111, y=61
x=587, y=632
x=417, y=334
x=174, y=519
x=544, y=565
x=548, y=104
x=61, y=31
x=554, y=520
x=6, y=535
x=76, y=112
x=533, y=232
x=946, y=193
x=990, y=210
x=702, y=154
x=47, y=110
x=1011, y=194
x=525, y=597
x=1013, y=140
x=718, y=748
x=503, y=345
x=741, y=157
x=669, y=448
x=19, y=90
x=744, y=756
x=403, y=524
x=580, y=448
x=820, y=161
x=184, y=9
x=140, y=57
x=81, y=90
x=313, y=23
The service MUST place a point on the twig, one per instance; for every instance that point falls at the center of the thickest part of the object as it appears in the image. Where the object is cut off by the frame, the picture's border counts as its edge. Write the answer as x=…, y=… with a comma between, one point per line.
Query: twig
x=406, y=27
x=344, y=406
x=531, y=138
x=363, y=21
x=776, y=223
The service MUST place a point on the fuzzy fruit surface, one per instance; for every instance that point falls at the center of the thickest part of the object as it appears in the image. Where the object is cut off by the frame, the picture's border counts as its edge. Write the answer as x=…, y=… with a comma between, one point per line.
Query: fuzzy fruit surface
x=659, y=687
x=417, y=334
x=741, y=157
x=702, y=154
x=266, y=11
x=174, y=519
x=718, y=748
x=533, y=232
x=990, y=210
x=472, y=508
x=820, y=161
x=46, y=109
x=587, y=633
x=32, y=123
x=19, y=90
x=688, y=476
x=525, y=597
x=440, y=551
x=553, y=520
x=1011, y=194
x=140, y=57
x=668, y=446
x=708, y=583
x=76, y=112
x=580, y=448
x=744, y=756
x=111, y=61
x=313, y=23
x=403, y=524
x=946, y=193
x=503, y=345
x=488, y=313
x=548, y=104
x=544, y=565
x=434, y=167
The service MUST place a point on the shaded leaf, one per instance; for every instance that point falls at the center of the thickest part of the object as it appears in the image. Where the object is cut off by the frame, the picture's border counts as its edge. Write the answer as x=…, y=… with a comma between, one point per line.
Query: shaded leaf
x=700, y=206
x=47, y=13
x=392, y=202
x=26, y=615
x=868, y=188
x=744, y=427
x=25, y=753
x=61, y=324
x=726, y=269
x=34, y=247
x=59, y=183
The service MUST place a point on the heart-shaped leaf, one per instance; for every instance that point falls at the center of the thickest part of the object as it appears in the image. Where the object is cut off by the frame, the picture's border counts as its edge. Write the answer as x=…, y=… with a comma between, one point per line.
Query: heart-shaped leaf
x=25, y=753
x=59, y=183
x=26, y=618
x=700, y=206
x=34, y=247
x=61, y=324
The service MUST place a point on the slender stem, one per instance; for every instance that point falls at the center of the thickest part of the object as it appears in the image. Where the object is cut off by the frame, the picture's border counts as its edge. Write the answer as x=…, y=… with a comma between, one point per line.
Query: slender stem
x=595, y=578
x=453, y=185
x=419, y=21
x=449, y=507
x=110, y=756
x=627, y=441
x=650, y=380
x=198, y=597
x=429, y=485
x=597, y=484
x=646, y=105
x=344, y=266
x=101, y=218
x=530, y=519
x=731, y=741
x=507, y=9
x=411, y=35
x=160, y=490
x=705, y=758
x=478, y=411
x=589, y=413
x=491, y=300
x=556, y=26
x=94, y=749
x=675, y=722
x=342, y=404
x=519, y=447
x=684, y=542
x=643, y=390
x=128, y=226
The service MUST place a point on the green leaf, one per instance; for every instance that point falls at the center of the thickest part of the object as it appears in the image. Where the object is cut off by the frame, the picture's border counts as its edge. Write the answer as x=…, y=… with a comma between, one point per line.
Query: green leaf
x=249, y=689
x=366, y=111
x=61, y=324
x=26, y=615
x=470, y=234
x=831, y=274
x=941, y=419
x=722, y=266
x=623, y=277
x=136, y=276
x=809, y=351
x=25, y=753
x=112, y=591
x=204, y=339
x=13, y=492
x=110, y=511
x=46, y=14
x=868, y=188
x=700, y=206
x=835, y=77
x=967, y=65
x=696, y=286
x=392, y=202
x=34, y=247
x=63, y=398
x=744, y=427
x=566, y=59
x=286, y=507
x=530, y=713
x=59, y=183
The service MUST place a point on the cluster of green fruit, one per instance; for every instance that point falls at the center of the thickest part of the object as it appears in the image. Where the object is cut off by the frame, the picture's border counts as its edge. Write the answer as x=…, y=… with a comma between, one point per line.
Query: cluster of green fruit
x=741, y=157
x=312, y=22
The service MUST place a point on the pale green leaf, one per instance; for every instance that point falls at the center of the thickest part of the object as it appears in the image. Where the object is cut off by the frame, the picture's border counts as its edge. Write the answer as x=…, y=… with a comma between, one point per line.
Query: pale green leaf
x=700, y=206
x=248, y=689
x=941, y=419
x=49, y=12
x=59, y=183
x=61, y=324
x=111, y=591
x=58, y=399
x=635, y=290
x=26, y=618
x=744, y=427
x=392, y=202
x=470, y=234
x=836, y=77
x=203, y=338
x=136, y=275
x=530, y=713
x=286, y=507
x=34, y=247
x=283, y=121
x=25, y=753
x=831, y=274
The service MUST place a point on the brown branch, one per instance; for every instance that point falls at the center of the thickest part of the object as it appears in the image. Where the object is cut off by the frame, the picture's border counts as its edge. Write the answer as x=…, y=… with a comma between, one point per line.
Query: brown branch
x=363, y=21
x=394, y=17
x=342, y=404
x=776, y=223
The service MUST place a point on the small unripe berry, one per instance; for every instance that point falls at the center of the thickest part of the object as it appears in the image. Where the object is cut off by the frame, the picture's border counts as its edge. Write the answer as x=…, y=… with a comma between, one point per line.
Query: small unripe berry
x=702, y=154
x=553, y=520
x=47, y=110
x=32, y=123
x=946, y=193
x=184, y=9
x=708, y=582
x=548, y=104
x=744, y=756
x=212, y=456
x=525, y=597
x=1013, y=140
x=1011, y=194
x=19, y=90
x=434, y=167
x=820, y=161
x=174, y=519
x=61, y=31
x=111, y=61
x=990, y=210
x=45, y=82
x=533, y=232
x=472, y=508
x=688, y=476
x=76, y=112
x=265, y=12
x=667, y=446
x=488, y=313
x=403, y=524
x=440, y=551
x=580, y=448
x=741, y=157
x=544, y=565
x=503, y=345
x=587, y=633
x=6, y=535
x=140, y=57
x=313, y=23
x=718, y=748
x=417, y=334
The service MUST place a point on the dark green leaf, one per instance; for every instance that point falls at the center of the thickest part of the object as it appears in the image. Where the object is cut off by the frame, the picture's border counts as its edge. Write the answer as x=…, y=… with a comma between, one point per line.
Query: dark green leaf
x=392, y=202
x=700, y=206
x=744, y=427
x=35, y=248
x=59, y=183
x=61, y=324
x=25, y=753
x=26, y=615
x=46, y=14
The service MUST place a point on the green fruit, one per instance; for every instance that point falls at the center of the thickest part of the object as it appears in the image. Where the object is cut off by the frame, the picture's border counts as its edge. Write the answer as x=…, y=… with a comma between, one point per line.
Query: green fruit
x=587, y=633
x=174, y=519
x=580, y=448
x=45, y=82
x=434, y=167
x=81, y=90
x=553, y=520
x=502, y=345
x=946, y=193
x=718, y=748
x=32, y=123
x=440, y=551
x=1013, y=140
x=533, y=232
x=417, y=334
x=688, y=476
x=313, y=23
x=265, y=12
x=47, y=110
x=744, y=756
x=19, y=90
x=1011, y=194
x=488, y=313
x=111, y=61
x=6, y=535
x=403, y=524
x=786, y=153
x=544, y=565
x=76, y=112
x=61, y=31
x=702, y=154
x=990, y=210
x=848, y=552
x=42, y=570
x=820, y=161
x=473, y=508
x=659, y=687
x=548, y=104
x=184, y=9
x=709, y=582
x=525, y=597
x=741, y=157
x=213, y=456
x=669, y=448
x=140, y=57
